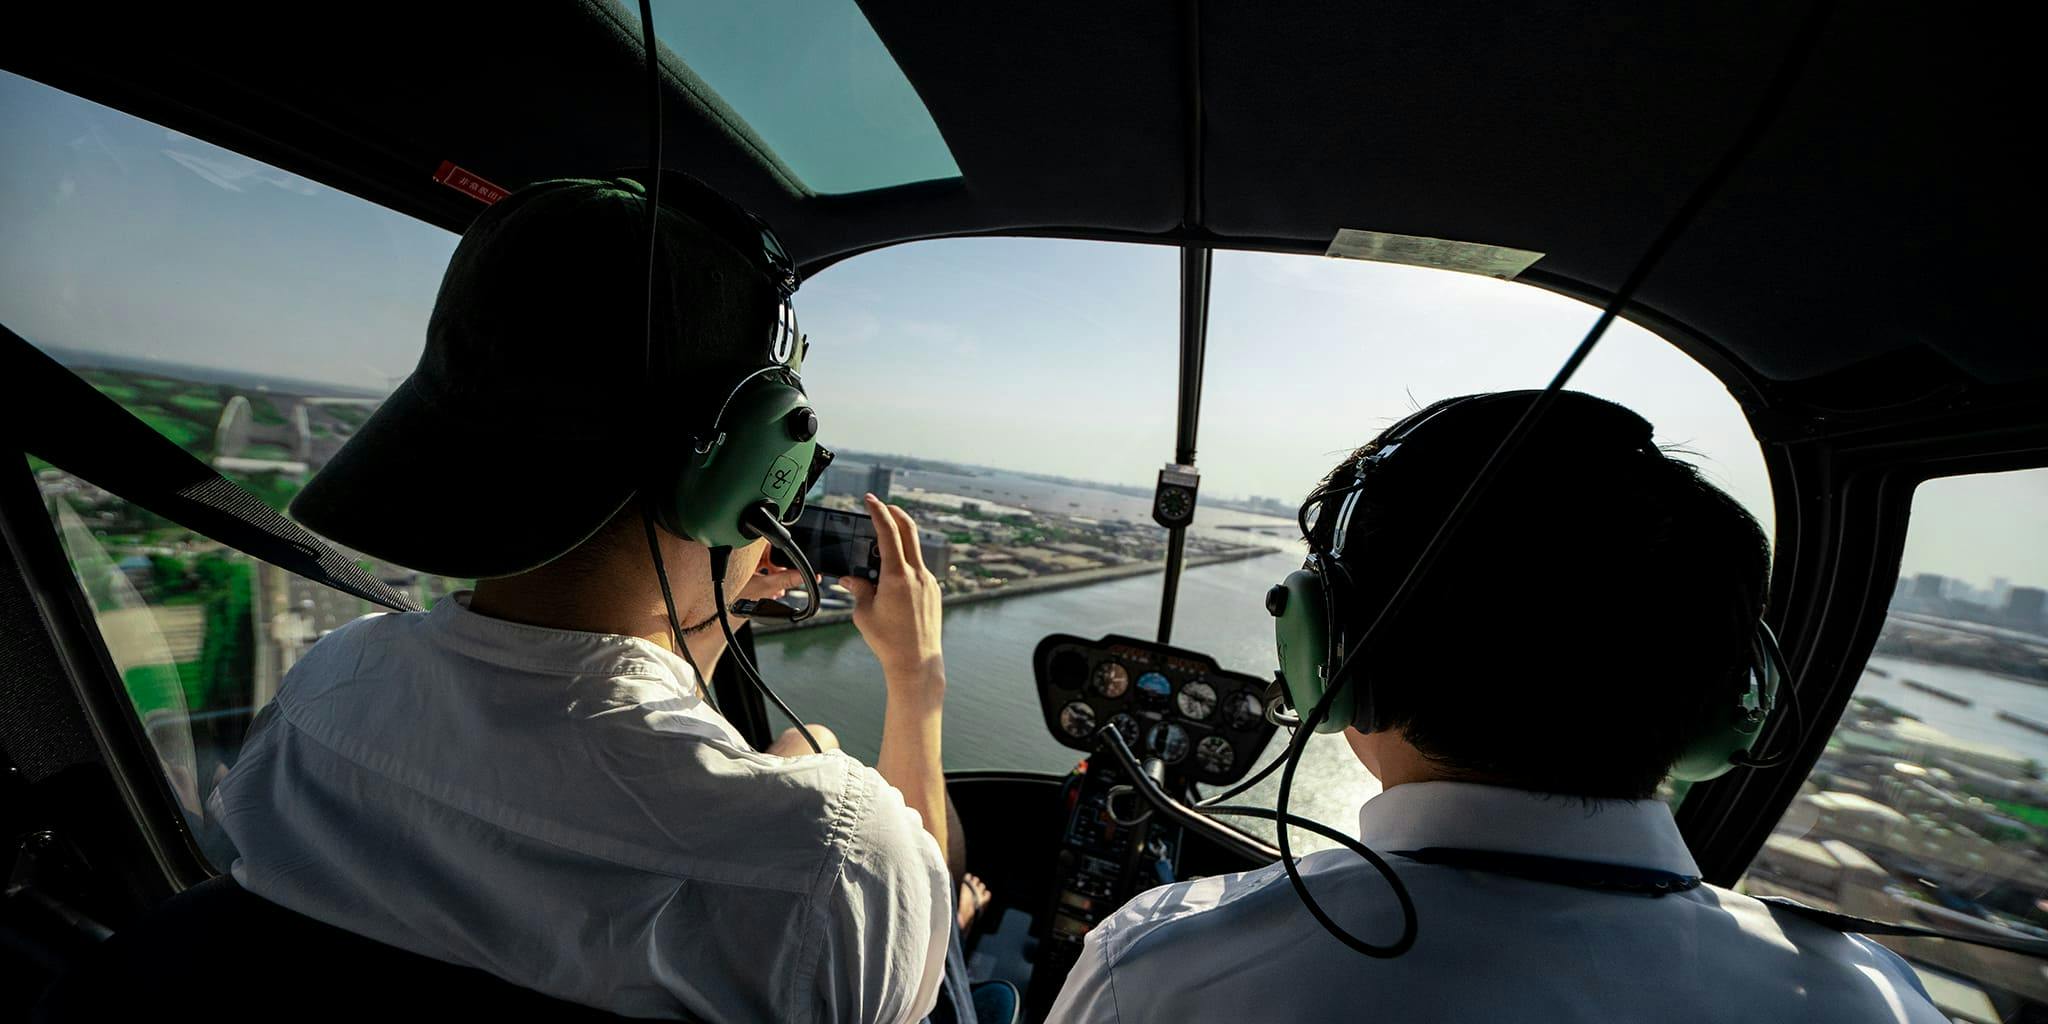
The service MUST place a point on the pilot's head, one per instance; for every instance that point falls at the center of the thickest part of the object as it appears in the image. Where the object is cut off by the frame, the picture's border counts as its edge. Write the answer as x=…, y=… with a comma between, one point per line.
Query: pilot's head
x=1597, y=597
x=539, y=409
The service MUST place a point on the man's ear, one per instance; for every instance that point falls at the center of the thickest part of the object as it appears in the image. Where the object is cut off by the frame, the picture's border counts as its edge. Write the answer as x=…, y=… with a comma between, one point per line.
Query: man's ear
x=1366, y=747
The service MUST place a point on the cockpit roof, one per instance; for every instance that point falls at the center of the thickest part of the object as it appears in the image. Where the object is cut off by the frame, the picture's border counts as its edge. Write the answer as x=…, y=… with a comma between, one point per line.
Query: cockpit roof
x=1867, y=256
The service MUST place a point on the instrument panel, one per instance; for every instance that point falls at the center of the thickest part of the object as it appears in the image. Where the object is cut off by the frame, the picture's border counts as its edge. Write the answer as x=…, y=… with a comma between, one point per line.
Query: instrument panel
x=1168, y=702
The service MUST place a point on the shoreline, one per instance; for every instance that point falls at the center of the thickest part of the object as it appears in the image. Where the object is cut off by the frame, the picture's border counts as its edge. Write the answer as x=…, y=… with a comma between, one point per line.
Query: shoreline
x=1032, y=585
x=1992, y=672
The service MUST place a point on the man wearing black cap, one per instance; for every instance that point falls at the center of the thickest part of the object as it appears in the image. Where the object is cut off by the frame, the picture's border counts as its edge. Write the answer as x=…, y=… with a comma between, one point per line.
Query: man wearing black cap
x=529, y=779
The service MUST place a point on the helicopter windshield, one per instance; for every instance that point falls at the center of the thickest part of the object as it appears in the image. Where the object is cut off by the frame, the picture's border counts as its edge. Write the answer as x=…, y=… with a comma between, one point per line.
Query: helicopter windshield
x=1015, y=394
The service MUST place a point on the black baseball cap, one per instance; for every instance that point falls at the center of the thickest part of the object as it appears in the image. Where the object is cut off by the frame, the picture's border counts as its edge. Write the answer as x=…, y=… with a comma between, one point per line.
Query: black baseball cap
x=537, y=409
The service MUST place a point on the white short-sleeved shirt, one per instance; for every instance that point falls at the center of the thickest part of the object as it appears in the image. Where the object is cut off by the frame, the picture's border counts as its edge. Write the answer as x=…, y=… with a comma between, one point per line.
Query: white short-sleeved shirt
x=1239, y=948
x=560, y=809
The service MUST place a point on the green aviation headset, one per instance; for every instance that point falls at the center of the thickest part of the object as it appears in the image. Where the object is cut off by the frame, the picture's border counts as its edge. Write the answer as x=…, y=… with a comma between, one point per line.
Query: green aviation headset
x=744, y=474
x=1313, y=605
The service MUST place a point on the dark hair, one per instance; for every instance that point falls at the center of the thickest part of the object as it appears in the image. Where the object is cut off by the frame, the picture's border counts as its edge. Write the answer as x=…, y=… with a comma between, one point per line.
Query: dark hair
x=1595, y=600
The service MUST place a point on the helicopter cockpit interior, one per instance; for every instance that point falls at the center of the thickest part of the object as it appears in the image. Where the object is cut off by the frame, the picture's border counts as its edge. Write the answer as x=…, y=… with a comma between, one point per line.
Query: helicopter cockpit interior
x=1097, y=293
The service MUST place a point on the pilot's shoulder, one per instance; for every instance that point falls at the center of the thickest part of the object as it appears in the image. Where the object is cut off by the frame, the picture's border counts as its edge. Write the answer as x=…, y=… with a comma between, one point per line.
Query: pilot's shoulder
x=336, y=653
x=1811, y=940
x=1196, y=911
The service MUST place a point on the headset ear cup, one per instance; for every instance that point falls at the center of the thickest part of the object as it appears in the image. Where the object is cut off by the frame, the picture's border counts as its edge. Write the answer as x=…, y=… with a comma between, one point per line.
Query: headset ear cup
x=766, y=439
x=1730, y=726
x=1301, y=629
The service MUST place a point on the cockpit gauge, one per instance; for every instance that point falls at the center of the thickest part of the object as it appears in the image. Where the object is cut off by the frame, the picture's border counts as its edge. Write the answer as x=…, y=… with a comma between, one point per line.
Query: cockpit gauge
x=1173, y=502
x=1154, y=689
x=1165, y=702
x=1167, y=742
x=1128, y=728
x=1196, y=700
x=1215, y=755
x=1111, y=680
x=1244, y=709
x=1077, y=719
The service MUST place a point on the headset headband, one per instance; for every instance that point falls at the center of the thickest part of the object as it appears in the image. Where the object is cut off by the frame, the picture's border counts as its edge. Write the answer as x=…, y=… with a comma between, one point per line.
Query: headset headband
x=1588, y=411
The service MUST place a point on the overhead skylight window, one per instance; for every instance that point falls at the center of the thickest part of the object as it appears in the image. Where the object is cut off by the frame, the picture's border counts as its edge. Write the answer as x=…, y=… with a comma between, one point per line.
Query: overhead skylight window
x=815, y=83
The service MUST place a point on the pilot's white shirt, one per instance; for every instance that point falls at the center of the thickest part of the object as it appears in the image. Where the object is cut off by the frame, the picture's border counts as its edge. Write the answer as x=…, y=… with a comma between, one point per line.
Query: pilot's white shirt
x=559, y=809
x=1241, y=949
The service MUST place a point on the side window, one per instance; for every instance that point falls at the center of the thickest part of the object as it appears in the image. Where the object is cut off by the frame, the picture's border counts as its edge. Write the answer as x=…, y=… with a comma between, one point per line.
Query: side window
x=251, y=316
x=1928, y=806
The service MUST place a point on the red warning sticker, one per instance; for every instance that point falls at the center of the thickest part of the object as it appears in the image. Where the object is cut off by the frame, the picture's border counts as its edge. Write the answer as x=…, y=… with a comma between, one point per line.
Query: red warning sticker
x=476, y=188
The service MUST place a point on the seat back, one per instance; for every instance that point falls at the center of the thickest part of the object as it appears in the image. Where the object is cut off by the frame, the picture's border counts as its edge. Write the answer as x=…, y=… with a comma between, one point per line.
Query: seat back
x=218, y=949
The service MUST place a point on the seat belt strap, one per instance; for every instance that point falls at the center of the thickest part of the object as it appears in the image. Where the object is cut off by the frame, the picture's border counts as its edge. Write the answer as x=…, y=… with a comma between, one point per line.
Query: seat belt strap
x=55, y=415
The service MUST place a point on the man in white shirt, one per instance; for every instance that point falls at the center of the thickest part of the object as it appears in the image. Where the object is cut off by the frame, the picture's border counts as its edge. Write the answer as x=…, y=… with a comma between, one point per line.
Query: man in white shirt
x=1522, y=711
x=530, y=779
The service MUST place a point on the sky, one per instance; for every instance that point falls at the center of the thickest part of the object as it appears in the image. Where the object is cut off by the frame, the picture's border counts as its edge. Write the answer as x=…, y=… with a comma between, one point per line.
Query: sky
x=816, y=85
x=1044, y=355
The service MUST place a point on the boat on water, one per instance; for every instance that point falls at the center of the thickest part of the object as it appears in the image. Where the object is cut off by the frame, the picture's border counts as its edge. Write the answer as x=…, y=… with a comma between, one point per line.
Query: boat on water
x=2024, y=722
x=1936, y=691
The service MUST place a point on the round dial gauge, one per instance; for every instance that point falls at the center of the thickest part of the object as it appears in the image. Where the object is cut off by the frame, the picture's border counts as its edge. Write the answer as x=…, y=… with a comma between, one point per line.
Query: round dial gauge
x=1244, y=710
x=1154, y=688
x=1175, y=505
x=1197, y=700
x=1128, y=727
x=1111, y=680
x=1077, y=719
x=1168, y=742
x=1215, y=755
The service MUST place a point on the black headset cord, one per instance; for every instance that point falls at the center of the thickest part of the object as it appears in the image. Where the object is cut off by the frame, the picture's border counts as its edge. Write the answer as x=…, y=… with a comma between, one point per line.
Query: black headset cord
x=1773, y=100
x=760, y=521
x=668, y=600
x=1789, y=694
x=720, y=556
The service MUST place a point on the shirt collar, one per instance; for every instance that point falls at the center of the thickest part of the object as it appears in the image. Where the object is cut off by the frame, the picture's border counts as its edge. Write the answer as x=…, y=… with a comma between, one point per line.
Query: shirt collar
x=1465, y=815
x=568, y=651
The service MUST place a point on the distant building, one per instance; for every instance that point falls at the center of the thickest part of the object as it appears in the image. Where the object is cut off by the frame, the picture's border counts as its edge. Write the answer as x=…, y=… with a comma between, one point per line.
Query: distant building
x=879, y=479
x=1928, y=586
x=850, y=478
x=937, y=552
x=2024, y=606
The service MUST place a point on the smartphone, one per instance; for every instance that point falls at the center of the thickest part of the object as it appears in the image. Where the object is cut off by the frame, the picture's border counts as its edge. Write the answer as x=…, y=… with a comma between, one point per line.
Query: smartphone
x=838, y=543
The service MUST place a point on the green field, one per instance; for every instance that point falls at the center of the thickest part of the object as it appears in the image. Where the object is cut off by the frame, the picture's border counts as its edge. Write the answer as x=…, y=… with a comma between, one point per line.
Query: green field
x=267, y=451
x=276, y=489
x=352, y=415
x=227, y=659
x=183, y=432
x=2035, y=816
x=263, y=411
x=199, y=404
x=163, y=687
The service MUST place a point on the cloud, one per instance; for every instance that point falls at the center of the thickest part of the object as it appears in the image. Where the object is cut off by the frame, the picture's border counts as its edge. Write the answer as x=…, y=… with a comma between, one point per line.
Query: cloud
x=233, y=173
